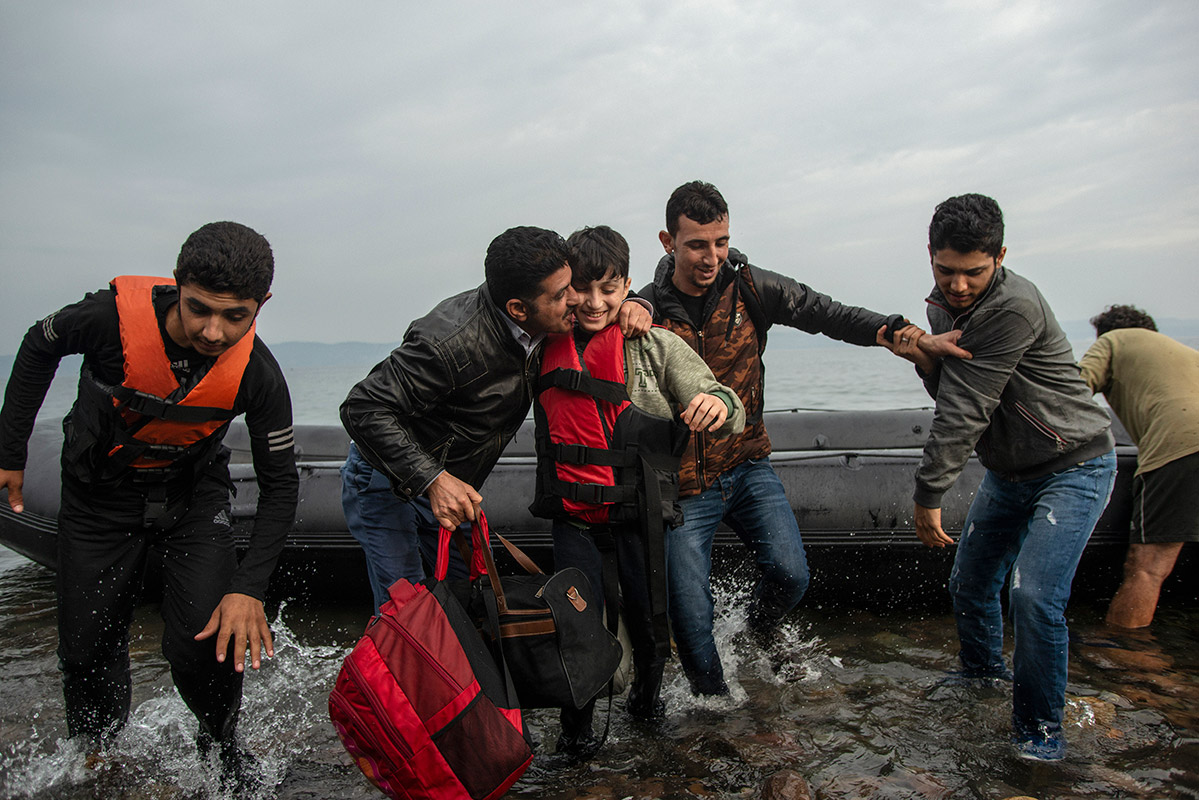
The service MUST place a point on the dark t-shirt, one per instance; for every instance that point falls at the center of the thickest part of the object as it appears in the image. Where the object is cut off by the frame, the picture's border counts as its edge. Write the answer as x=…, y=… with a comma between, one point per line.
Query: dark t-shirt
x=694, y=306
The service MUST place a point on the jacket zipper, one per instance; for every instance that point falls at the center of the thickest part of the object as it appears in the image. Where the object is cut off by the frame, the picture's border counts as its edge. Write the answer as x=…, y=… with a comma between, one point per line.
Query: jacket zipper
x=1041, y=426
x=700, y=465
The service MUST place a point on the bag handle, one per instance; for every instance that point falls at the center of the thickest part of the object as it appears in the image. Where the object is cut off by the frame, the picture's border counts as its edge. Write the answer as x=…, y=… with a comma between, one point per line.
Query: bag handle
x=480, y=558
x=479, y=543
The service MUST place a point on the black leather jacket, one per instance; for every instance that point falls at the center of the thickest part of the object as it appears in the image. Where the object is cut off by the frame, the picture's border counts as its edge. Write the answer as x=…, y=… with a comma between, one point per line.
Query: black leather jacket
x=449, y=397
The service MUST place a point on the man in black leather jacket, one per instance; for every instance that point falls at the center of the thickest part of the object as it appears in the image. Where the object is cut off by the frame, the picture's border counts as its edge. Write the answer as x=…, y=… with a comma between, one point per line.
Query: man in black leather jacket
x=434, y=417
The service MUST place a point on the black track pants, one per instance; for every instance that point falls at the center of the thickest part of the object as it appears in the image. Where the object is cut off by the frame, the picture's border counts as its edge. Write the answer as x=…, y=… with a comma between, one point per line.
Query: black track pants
x=105, y=539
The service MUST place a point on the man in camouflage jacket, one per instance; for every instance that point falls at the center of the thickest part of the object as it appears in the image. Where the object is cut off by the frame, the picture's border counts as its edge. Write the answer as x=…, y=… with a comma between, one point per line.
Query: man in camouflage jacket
x=722, y=306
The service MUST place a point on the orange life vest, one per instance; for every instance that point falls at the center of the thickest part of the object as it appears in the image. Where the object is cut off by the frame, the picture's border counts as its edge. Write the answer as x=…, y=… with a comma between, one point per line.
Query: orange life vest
x=162, y=422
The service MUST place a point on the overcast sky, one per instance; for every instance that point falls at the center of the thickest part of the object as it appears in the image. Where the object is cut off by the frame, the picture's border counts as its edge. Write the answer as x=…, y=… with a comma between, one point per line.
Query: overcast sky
x=380, y=146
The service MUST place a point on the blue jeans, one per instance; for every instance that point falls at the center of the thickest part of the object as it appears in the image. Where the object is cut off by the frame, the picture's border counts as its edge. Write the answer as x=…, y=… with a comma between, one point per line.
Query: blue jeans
x=751, y=499
x=393, y=533
x=1036, y=531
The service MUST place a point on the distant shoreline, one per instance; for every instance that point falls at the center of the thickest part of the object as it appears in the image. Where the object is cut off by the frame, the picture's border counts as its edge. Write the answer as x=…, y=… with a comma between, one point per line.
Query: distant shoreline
x=332, y=354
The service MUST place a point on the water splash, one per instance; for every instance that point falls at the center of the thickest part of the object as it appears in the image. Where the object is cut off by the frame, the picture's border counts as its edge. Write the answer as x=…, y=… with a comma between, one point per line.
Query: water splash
x=32, y=765
x=283, y=720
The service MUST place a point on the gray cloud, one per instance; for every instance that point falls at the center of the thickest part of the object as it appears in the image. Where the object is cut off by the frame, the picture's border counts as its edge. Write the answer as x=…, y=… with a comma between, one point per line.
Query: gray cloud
x=380, y=146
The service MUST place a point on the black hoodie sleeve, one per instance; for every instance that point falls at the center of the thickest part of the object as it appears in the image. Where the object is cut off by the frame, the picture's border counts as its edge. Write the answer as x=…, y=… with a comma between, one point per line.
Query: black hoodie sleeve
x=267, y=406
x=89, y=327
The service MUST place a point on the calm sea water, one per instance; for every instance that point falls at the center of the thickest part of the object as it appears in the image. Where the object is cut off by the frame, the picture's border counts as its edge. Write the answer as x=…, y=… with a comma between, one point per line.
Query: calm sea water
x=854, y=701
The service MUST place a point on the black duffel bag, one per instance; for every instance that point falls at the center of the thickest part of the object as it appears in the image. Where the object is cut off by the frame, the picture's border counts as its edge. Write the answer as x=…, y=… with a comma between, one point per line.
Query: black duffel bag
x=546, y=630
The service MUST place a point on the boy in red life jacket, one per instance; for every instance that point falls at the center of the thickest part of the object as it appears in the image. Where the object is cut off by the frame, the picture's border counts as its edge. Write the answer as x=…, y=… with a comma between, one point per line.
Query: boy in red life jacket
x=613, y=416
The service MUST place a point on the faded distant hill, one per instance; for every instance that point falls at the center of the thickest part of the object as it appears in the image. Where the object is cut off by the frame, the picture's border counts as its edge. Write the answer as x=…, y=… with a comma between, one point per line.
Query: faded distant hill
x=367, y=354
x=289, y=354
x=312, y=354
x=317, y=354
x=1077, y=331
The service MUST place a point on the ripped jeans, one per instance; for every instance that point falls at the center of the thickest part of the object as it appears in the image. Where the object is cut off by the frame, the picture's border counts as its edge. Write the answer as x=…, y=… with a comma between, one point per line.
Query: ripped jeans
x=1036, y=531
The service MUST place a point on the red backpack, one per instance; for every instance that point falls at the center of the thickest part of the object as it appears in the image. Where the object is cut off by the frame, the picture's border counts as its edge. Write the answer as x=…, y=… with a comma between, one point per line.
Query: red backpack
x=422, y=709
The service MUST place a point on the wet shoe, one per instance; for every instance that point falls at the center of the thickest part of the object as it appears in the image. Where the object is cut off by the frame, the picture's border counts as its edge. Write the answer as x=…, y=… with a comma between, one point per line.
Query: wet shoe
x=957, y=684
x=98, y=760
x=641, y=712
x=572, y=751
x=240, y=772
x=710, y=690
x=708, y=684
x=1040, y=748
x=973, y=677
x=645, y=702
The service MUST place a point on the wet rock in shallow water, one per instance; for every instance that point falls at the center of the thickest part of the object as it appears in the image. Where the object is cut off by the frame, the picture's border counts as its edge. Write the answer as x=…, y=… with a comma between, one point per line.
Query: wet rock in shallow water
x=856, y=782
x=1086, y=712
x=769, y=749
x=786, y=785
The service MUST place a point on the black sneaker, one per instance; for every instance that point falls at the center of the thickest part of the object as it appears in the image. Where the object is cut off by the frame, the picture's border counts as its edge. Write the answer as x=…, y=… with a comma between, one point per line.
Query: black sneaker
x=573, y=750
x=1050, y=747
x=240, y=772
x=645, y=712
x=645, y=703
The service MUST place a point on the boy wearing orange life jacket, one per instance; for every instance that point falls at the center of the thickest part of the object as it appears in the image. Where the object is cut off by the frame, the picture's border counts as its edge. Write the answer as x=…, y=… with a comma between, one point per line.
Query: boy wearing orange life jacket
x=167, y=363
x=613, y=416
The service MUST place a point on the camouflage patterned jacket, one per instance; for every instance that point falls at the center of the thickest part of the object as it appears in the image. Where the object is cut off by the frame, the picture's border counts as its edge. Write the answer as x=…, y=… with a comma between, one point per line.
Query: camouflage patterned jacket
x=740, y=308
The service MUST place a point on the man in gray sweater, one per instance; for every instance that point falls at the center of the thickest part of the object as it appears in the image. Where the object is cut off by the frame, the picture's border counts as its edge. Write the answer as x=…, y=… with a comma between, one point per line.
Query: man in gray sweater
x=1049, y=454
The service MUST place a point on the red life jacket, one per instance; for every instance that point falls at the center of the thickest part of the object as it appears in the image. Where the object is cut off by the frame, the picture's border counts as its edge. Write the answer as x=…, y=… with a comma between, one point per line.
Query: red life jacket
x=598, y=454
x=162, y=423
x=601, y=459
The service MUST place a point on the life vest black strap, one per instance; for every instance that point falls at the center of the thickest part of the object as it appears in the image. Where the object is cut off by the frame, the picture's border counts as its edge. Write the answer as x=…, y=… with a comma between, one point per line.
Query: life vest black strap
x=605, y=542
x=655, y=546
x=666, y=462
x=575, y=381
x=582, y=454
x=128, y=449
x=593, y=493
x=151, y=406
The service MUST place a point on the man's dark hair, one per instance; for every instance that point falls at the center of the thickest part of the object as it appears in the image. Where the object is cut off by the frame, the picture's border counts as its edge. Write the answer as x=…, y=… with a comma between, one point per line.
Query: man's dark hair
x=1116, y=317
x=518, y=260
x=596, y=252
x=966, y=224
x=227, y=257
x=698, y=201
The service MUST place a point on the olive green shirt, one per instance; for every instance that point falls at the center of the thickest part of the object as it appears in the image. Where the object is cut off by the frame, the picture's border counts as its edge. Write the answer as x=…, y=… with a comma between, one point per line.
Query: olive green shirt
x=663, y=374
x=1152, y=383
